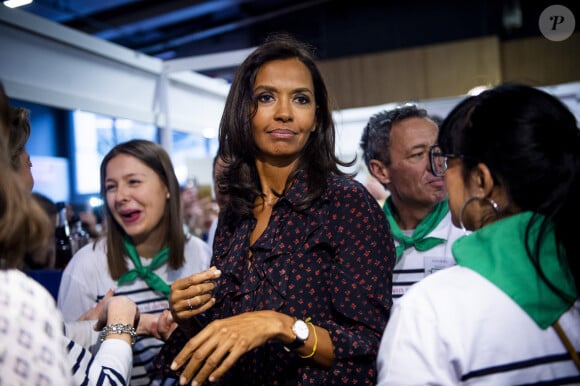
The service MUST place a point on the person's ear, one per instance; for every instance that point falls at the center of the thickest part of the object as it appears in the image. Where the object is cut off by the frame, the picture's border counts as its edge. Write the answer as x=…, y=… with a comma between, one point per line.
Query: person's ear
x=481, y=181
x=379, y=171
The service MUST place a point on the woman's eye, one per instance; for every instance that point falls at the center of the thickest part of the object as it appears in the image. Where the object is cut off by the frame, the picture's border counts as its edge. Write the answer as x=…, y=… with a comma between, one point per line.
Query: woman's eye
x=134, y=182
x=109, y=188
x=302, y=99
x=264, y=98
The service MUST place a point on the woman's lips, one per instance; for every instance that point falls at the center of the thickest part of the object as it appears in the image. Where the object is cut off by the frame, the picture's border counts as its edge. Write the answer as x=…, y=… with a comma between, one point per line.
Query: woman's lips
x=282, y=133
x=130, y=217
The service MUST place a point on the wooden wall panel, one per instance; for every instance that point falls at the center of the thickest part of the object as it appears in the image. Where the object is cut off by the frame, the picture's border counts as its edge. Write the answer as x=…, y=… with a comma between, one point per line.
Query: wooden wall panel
x=455, y=68
x=375, y=79
x=449, y=69
x=540, y=62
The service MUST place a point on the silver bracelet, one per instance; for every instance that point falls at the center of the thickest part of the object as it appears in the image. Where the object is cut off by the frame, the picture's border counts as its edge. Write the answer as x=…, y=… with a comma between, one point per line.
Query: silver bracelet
x=119, y=328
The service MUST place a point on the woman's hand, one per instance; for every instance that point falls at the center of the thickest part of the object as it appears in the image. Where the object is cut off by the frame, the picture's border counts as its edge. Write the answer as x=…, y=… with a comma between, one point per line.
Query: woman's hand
x=118, y=309
x=192, y=295
x=160, y=326
x=213, y=351
x=94, y=312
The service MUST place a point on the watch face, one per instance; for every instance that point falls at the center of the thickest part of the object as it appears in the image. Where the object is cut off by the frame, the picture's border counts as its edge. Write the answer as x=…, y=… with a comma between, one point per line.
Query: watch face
x=301, y=330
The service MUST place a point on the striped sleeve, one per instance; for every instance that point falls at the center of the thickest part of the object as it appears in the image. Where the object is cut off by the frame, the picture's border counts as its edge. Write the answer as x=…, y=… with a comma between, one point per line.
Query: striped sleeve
x=111, y=366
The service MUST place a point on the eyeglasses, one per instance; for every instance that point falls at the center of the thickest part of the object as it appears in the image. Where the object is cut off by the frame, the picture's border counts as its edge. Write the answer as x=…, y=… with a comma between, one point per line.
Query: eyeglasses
x=439, y=160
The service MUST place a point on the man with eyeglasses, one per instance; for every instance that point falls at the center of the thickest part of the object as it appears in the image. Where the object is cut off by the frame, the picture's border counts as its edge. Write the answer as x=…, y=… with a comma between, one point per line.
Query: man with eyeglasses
x=396, y=150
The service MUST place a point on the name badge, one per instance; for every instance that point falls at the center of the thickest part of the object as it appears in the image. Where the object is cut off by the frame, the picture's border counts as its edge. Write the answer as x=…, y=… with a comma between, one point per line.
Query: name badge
x=434, y=264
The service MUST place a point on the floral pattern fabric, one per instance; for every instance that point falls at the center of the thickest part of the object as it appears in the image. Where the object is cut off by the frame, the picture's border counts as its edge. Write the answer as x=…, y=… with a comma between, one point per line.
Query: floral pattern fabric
x=332, y=263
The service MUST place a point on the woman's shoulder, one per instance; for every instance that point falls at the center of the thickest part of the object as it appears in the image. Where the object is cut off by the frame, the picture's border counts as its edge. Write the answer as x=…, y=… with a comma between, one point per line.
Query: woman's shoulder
x=345, y=189
x=339, y=184
x=91, y=256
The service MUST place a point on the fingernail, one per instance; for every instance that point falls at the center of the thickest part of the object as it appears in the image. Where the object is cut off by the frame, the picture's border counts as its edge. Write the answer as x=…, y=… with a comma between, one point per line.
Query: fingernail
x=217, y=273
x=182, y=381
x=173, y=366
x=194, y=383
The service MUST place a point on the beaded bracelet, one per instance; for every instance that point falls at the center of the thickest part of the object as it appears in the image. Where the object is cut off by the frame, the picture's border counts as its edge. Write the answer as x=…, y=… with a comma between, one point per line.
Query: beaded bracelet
x=119, y=328
x=315, y=346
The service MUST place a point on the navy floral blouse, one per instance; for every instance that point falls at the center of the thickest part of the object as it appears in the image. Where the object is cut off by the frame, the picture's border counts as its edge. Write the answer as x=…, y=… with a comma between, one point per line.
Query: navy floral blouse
x=332, y=263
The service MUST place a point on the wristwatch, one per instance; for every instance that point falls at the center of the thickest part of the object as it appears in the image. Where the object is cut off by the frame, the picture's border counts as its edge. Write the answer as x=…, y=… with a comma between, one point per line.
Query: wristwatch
x=301, y=330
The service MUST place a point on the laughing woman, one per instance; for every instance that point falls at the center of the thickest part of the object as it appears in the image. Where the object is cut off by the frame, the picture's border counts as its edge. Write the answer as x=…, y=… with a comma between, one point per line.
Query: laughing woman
x=145, y=249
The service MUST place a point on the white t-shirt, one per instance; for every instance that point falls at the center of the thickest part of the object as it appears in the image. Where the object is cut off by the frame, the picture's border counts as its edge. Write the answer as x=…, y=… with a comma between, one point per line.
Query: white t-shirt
x=455, y=327
x=413, y=265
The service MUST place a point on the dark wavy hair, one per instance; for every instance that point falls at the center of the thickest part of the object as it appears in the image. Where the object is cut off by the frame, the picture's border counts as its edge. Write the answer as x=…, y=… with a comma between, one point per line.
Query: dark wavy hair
x=155, y=157
x=530, y=142
x=237, y=148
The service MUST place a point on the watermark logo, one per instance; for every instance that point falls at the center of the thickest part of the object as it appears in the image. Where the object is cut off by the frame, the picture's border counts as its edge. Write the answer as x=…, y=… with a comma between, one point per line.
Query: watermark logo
x=557, y=23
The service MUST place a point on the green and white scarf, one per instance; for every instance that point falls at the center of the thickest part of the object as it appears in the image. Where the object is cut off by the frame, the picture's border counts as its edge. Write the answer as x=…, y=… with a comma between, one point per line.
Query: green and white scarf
x=426, y=226
x=145, y=273
x=498, y=252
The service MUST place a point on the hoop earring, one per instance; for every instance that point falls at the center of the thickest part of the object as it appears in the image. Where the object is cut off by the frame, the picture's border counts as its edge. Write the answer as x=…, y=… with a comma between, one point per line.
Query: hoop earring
x=490, y=201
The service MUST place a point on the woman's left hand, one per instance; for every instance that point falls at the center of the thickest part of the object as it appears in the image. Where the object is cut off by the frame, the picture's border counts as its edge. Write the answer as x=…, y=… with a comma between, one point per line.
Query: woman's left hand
x=213, y=351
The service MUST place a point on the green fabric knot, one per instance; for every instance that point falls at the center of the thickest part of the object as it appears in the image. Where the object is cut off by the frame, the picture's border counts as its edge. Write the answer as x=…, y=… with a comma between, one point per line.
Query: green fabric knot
x=426, y=226
x=145, y=273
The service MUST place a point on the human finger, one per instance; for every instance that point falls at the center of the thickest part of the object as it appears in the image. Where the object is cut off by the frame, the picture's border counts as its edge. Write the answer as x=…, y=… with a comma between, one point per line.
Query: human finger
x=222, y=359
x=99, y=309
x=192, y=300
x=192, y=307
x=194, y=303
x=178, y=299
x=189, y=358
x=213, y=364
x=196, y=278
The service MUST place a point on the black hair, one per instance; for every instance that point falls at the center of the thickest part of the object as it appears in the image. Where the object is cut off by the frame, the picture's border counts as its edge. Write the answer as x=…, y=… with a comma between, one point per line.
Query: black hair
x=237, y=148
x=530, y=142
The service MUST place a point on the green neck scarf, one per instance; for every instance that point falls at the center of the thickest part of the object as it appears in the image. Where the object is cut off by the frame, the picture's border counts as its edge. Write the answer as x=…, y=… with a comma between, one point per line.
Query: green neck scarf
x=145, y=273
x=498, y=253
x=426, y=226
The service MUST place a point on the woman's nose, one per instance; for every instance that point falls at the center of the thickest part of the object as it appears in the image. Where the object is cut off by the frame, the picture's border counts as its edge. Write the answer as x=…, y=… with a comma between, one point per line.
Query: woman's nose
x=121, y=194
x=284, y=111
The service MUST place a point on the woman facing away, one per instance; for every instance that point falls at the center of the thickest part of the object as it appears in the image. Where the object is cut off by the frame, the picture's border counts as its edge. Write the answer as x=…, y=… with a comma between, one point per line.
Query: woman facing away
x=145, y=248
x=304, y=255
x=509, y=312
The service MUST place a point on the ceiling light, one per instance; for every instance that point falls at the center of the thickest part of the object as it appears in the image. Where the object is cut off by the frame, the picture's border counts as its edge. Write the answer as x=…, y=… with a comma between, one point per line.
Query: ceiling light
x=16, y=3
